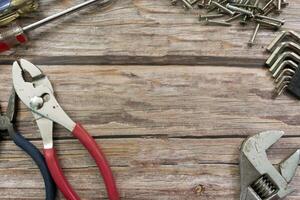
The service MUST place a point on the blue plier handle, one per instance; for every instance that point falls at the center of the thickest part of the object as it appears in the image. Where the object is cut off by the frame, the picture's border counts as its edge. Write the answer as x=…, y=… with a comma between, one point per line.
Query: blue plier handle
x=6, y=124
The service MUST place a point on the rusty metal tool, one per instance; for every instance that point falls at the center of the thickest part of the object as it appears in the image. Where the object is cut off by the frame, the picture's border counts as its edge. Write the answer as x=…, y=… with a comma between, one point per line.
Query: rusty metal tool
x=260, y=180
x=17, y=35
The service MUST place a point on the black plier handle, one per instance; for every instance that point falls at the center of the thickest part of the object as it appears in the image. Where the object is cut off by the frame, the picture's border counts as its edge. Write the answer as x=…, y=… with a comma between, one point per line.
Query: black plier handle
x=7, y=125
x=39, y=159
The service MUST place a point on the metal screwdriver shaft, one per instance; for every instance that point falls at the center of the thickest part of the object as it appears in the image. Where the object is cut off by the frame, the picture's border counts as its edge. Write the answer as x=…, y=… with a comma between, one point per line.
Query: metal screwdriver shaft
x=16, y=35
x=60, y=14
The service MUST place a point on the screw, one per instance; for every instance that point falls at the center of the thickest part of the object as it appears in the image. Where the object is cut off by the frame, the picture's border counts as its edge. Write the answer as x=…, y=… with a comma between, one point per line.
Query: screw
x=268, y=4
x=201, y=17
x=240, y=10
x=213, y=22
x=230, y=12
x=276, y=26
x=251, y=41
x=234, y=17
x=270, y=18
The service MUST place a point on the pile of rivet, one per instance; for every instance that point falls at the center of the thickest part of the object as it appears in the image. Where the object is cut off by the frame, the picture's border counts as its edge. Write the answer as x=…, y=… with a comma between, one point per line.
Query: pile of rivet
x=258, y=11
x=284, y=62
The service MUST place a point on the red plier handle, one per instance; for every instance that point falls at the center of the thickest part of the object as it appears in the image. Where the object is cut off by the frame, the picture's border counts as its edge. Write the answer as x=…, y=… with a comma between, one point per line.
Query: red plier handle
x=90, y=144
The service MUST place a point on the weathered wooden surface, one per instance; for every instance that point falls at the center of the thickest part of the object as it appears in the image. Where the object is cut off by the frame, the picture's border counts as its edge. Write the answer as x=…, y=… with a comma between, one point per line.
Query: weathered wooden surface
x=169, y=100
x=143, y=32
x=166, y=130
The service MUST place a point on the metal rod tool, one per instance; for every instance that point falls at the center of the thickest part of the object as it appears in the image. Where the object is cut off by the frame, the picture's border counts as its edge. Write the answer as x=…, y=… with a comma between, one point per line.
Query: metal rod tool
x=17, y=35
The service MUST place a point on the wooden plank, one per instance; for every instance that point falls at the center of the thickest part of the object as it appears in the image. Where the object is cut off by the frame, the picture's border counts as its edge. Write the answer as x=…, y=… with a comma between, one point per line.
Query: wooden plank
x=144, y=168
x=164, y=101
x=142, y=32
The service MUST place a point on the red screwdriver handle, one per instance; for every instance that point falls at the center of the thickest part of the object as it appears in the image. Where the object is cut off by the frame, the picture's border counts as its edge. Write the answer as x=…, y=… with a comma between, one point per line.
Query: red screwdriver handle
x=90, y=144
x=12, y=37
x=58, y=176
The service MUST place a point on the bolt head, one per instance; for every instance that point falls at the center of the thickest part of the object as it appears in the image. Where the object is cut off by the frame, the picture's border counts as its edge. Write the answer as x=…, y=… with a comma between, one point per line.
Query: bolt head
x=36, y=103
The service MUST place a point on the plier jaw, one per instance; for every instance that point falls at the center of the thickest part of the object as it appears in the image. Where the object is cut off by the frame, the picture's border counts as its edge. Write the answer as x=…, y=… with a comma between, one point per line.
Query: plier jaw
x=6, y=120
x=36, y=93
x=7, y=124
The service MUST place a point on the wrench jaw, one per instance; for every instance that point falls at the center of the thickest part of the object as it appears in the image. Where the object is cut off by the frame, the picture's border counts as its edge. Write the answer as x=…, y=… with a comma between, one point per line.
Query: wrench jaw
x=260, y=180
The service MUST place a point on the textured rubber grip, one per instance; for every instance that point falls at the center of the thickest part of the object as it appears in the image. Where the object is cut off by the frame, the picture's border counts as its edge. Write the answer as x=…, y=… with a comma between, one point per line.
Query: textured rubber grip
x=4, y=47
x=39, y=159
x=58, y=176
x=93, y=148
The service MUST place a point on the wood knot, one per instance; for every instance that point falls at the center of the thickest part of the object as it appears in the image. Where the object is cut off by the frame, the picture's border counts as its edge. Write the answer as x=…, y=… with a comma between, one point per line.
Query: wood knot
x=199, y=190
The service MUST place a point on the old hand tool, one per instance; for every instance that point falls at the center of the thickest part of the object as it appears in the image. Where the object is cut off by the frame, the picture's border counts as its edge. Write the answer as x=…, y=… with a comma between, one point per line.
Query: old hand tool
x=245, y=11
x=17, y=35
x=12, y=9
x=284, y=35
x=260, y=180
x=37, y=94
x=284, y=62
x=7, y=124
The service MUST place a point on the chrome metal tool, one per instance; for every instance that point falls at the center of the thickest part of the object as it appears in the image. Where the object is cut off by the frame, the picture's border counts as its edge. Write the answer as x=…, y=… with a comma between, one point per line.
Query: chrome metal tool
x=37, y=94
x=284, y=62
x=17, y=35
x=260, y=180
x=7, y=125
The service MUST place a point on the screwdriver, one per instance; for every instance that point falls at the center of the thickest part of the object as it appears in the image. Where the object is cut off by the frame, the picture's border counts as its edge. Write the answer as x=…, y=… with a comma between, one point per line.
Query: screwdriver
x=17, y=35
x=10, y=10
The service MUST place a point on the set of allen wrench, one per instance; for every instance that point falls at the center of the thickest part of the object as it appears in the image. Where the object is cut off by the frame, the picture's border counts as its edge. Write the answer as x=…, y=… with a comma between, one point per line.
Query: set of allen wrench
x=284, y=62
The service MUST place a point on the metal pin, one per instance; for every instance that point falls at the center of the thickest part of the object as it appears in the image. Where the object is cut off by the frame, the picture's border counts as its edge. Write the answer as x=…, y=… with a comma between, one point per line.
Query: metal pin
x=279, y=2
x=213, y=22
x=274, y=25
x=202, y=17
x=240, y=10
x=270, y=18
x=230, y=12
x=269, y=10
x=251, y=7
x=268, y=4
x=238, y=15
x=187, y=5
x=251, y=41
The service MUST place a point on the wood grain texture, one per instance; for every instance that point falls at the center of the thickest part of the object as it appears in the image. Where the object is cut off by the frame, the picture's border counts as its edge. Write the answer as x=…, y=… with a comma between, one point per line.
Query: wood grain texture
x=143, y=32
x=145, y=168
x=169, y=132
x=168, y=99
